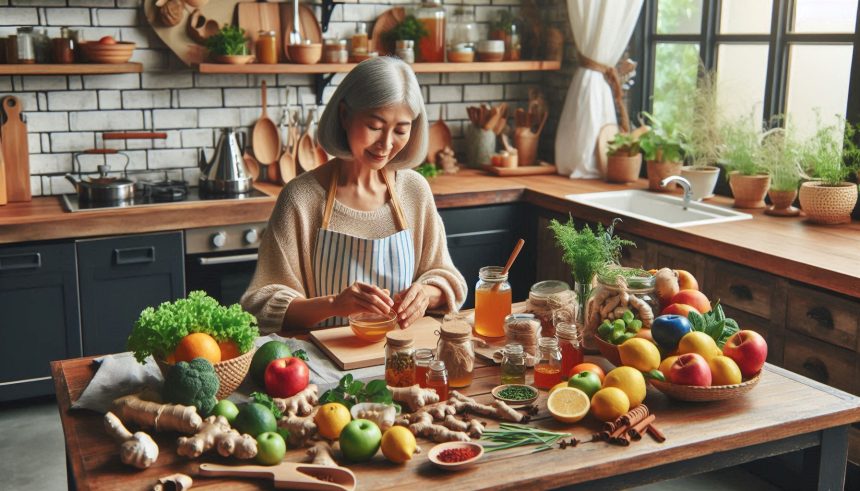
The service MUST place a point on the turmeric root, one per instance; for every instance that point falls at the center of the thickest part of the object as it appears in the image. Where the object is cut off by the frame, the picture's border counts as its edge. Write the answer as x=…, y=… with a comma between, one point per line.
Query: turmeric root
x=300, y=404
x=161, y=417
x=215, y=432
x=414, y=396
x=138, y=450
x=301, y=428
x=322, y=453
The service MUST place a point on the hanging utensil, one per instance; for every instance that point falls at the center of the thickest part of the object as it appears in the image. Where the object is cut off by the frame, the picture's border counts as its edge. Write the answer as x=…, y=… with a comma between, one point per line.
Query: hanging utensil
x=266, y=140
x=296, y=34
x=321, y=155
x=306, y=150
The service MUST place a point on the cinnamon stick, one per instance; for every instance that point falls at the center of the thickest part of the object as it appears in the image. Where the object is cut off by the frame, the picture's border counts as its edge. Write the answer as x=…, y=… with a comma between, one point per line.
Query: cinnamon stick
x=655, y=433
x=623, y=422
x=635, y=432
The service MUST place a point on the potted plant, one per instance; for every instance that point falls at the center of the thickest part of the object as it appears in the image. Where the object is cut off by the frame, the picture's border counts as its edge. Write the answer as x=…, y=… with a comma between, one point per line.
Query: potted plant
x=779, y=156
x=505, y=29
x=663, y=149
x=829, y=160
x=741, y=157
x=229, y=45
x=410, y=28
x=624, y=159
x=700, y=129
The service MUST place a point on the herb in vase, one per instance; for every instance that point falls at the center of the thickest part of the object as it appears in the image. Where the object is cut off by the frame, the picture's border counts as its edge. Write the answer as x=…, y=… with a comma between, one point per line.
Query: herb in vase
x=409, y=28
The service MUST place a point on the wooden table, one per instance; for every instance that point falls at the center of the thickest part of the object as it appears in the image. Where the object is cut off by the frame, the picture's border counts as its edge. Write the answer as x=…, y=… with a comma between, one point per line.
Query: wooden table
x=784, y=413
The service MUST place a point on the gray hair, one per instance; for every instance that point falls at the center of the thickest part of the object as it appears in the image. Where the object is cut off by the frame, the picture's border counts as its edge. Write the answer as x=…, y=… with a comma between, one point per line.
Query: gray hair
x=373, y=84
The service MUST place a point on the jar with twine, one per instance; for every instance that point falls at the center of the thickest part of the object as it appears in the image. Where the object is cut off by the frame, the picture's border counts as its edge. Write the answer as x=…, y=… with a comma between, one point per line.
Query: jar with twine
x=456, y=350
x=551, y=301
x=523, y=329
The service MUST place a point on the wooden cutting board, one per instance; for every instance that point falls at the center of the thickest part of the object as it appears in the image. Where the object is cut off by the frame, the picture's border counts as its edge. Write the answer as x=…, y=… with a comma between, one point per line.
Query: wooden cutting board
x=348, y=352
x=525, y=170
x=3, y=199
x=254, y=17
x=176, y=37
x=16, y=152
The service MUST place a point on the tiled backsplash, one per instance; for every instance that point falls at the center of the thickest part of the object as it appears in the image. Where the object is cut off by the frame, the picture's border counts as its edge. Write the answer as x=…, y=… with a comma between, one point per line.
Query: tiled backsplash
x=66, y=114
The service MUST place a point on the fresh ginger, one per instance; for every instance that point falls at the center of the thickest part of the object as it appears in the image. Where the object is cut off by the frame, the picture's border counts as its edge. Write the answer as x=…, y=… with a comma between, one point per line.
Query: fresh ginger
x=215, y=432
x=473, y=427
x=138, y=450
x=300, y=404
x=301, y=428
x=421, y=424
x=414, y=396
x=496, y=409
x=161, y=417
x=173, y=482
x=322, y=453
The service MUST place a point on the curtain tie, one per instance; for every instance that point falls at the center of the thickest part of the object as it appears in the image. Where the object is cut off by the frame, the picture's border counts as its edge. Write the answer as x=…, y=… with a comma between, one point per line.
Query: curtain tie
x=610, y=74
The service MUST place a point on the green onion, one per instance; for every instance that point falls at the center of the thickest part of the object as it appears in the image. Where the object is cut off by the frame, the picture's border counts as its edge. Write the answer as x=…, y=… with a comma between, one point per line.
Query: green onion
x=510, y=435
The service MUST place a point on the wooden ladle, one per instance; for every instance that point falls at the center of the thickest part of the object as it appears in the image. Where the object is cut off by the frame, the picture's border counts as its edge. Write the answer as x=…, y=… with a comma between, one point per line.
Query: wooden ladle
x=266, y=140
x=290, y=475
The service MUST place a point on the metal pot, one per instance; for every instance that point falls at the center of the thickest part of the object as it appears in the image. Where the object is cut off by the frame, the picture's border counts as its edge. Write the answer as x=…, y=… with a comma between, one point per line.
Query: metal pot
x=226, y=172
x=103, y=188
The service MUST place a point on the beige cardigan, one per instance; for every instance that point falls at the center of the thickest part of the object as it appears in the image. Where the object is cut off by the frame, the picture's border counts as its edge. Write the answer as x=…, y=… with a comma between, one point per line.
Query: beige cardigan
x=284, y=269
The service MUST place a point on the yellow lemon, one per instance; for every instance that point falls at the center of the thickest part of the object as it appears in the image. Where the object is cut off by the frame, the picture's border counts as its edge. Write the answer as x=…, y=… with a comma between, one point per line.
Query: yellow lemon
x=398, y=444
x=609, y=403
x=331, y=418
x=558, y=386
x=640, y=354
x=629, y=380
x=568, y=405
x=724, y=371
x=699, y=342
x=666, y=364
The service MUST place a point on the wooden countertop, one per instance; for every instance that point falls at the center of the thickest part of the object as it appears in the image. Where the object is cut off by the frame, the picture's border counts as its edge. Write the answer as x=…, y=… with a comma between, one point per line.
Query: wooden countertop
x=824, y=256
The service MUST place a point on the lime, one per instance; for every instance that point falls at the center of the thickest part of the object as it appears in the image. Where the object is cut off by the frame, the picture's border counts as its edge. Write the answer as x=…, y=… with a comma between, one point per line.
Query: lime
x=227, y=409
x=627, y=316
x=263, y=356
x=255, y=419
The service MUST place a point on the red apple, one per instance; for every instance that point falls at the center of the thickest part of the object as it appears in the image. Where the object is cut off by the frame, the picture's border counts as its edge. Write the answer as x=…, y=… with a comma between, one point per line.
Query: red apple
x=690, y=369
x=286, y=377
x=748, y=349
x=107, y=40
x=693, y=298
x=681, y=309
x=686, y=281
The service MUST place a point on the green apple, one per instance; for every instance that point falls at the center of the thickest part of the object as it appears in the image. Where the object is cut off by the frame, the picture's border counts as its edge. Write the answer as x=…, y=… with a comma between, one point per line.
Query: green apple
x=585, y=381
x=271, y=448
x=227, y=409
x=359, y=440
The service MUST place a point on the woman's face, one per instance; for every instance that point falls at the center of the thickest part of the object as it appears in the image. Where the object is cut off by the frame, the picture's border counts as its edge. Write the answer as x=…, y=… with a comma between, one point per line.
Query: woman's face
x=375, y=136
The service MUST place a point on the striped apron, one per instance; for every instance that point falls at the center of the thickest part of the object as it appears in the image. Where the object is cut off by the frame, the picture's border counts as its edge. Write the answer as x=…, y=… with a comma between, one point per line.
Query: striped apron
x=340, y=259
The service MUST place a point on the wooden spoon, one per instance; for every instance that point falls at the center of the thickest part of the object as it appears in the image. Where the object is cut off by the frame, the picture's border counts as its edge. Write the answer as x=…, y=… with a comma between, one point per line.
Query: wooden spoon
x=266, y=140
x=290, y=475
x=252, y=166
x=306, y=150
x=513, y=257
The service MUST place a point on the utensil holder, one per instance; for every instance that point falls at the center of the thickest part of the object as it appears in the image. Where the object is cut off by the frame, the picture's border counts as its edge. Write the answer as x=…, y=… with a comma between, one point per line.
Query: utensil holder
x=526, y=144
x=480, y=146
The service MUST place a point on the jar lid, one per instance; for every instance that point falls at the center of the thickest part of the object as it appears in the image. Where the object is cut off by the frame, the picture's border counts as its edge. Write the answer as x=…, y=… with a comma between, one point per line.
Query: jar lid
x=399, y=338
x=514, y=348
x=548, y=287
x=264, y=32
x=437, y=366
x=519, y=318
x=567, y=330
x=634, y=281
x=492, y=273
x=456, y=330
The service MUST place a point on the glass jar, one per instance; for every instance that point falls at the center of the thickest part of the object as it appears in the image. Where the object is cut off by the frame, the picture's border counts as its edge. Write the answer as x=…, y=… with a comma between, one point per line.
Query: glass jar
x=422, y=358
x=405, y=50
x=462, y=30
x=492, y=301
x=456, y=350
x=399, y=365
x=513, y=364
x=507, y=29
x=619, y=291
x=570, y=345
x=42, y=45
x=359, y=39
x=26, y=47
x=335, y=51
x=437, y=379
x=267, y=48
x=548, y=297
x=63, y=47
x=548, y=365
x=431, y=48
x=523, y=329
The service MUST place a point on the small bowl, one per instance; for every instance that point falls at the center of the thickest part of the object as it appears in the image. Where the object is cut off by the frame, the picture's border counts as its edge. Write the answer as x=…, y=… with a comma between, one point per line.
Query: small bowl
x=461, y=56
x=119, y=52
x=372, y=327
x=234, y=59
x=514, y=402
x=305, y=54
x=434, y=452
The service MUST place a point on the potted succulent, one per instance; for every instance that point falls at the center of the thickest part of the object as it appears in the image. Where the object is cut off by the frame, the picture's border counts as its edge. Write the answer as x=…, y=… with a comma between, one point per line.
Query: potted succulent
x=829, y=160
x=624, y=159
x=700, y=127
x=506, y=29
x=781, y=160
x=229, y=45
x=664, y=153
x=742, y=158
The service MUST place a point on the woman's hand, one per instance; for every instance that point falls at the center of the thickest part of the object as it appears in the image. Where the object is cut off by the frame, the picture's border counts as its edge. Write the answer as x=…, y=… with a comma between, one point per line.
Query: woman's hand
x=411, y=304
x=362, y=297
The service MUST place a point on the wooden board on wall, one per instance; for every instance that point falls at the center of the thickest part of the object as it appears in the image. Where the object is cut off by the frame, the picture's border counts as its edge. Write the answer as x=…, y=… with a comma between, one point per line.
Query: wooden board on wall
x=176, y=37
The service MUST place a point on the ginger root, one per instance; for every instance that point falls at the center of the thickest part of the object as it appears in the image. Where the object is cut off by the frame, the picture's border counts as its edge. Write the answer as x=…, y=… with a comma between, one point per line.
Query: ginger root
x=666, y=284
x=300, y=404
x=414, y=396
x=322, y=453
x=173, y=482
x=138, y=450
x=496, y=409
x=301, y=428
x=215, y=432
x=161, y=417
x=473, y=427
x=421, y=424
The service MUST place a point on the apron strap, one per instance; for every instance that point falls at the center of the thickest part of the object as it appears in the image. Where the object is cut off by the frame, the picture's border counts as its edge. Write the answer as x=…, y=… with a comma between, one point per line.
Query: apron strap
x=332, y=191
x=398, y=212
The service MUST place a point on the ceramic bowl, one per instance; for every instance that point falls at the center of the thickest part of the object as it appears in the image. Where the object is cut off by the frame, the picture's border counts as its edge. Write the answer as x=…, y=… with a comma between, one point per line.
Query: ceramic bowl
x=434, y=452
x=234, y=59
x=461, y=56
x=515, y=402
x=108, y=53
x=372, y=327
x=491, y=50
x=305, y=54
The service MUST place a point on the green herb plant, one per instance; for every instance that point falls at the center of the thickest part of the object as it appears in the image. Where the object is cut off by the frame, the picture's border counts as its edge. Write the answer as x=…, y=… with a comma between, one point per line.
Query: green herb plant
x=230, y=40
x=409, y=28
x=350, y=392
x=700, y=123
x=428, y=170
x=831, y=156
x=742, y=149
x=663, y=142
x=504, y=22
x=624, y=144
x=266, y=400
x=510, y=435
x=715, y=324
x=780, y=157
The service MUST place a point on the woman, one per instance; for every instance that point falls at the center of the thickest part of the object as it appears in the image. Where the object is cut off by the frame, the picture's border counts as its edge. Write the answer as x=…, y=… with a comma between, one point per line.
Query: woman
x=360, y=233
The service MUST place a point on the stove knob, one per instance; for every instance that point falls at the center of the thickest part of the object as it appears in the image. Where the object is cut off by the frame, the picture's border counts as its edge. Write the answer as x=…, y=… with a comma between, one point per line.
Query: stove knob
x=219, y=239
x=251, y=236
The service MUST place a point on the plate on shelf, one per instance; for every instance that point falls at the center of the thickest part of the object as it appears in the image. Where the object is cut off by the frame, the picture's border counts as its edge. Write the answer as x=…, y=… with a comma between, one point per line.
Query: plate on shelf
x=386, y=21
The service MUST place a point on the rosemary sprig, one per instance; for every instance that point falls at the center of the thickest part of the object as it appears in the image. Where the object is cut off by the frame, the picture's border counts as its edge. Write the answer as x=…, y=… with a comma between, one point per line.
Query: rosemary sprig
x=510, y=435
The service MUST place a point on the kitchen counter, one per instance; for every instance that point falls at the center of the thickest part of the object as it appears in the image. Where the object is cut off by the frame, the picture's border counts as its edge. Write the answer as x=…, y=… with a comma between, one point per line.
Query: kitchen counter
x=823, y=256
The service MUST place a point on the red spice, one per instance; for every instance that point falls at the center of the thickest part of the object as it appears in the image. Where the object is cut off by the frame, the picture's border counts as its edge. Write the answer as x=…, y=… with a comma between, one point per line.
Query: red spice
x=453, y=455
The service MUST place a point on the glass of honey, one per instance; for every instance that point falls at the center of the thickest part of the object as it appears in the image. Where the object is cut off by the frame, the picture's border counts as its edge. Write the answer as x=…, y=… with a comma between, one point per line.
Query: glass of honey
x=372, y=327
x=492, y=301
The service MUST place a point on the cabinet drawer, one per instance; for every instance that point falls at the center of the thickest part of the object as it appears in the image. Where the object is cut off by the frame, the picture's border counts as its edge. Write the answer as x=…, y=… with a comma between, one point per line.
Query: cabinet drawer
x=663, y=256
x=743, y=288
x=771, y=331
x=822, y=362
x=828, y=317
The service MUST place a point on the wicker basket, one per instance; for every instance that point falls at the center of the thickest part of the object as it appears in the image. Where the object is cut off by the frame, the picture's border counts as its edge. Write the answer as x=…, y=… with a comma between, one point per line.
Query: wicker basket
x=702, y=394
x=230, y=372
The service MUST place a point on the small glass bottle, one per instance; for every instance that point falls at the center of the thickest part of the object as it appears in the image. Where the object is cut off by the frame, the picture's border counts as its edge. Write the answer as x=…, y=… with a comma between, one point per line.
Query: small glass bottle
x=63, y=47
x=570, y=345
x=26, y=48
x=422, y=357
x=437, y=379
x=431, y=48
x=492, y=301
x=359, y=43
x=513, y=364
x=456, y=350
x=266, y=47
x=399, y=365
x=548, y=366
x=405, y=50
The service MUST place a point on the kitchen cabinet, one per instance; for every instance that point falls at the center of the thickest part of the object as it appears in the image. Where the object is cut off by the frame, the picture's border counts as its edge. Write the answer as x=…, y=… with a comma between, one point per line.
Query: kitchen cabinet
x=40, y=316
x=119, y=277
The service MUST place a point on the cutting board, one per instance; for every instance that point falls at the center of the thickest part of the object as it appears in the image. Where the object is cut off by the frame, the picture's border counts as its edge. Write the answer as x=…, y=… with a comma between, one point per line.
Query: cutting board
x=254, y=17
x=348, y=352
x=3, y=199
x=526, y=170
x=16, y=152
x=176, y=37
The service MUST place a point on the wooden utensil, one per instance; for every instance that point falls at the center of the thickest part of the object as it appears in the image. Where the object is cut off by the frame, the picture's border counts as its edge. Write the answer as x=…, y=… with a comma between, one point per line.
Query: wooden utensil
x=320, y=155
x=252, y=166
x=290, y=475
x=16, y=152
x=3, y=198
x=513, y=257
x=266, y=141
x=308, y=25
x=254, y=17
x=273, y=173
x=306, y=151
x=439, y=136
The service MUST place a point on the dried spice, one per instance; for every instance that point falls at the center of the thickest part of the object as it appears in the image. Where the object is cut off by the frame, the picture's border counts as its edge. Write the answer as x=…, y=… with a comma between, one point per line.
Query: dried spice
x=454, y=455
x=400, y=369
x=517, y=393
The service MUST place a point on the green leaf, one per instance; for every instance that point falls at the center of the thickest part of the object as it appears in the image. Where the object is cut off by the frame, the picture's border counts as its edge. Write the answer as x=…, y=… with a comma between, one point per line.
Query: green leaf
x=697, y=321
x=345, y=382
x=301, y=355
x=715, y=330
x=355, y=388
x=655, y=374
x=265, y=400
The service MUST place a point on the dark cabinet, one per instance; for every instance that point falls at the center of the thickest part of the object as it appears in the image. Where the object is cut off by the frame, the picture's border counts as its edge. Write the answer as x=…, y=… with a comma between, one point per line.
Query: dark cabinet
x=119, y=277
x=40, y=318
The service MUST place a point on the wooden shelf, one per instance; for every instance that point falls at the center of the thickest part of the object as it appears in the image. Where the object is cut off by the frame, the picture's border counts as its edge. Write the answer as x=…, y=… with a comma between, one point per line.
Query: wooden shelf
x=70, y=69
x=323, y=68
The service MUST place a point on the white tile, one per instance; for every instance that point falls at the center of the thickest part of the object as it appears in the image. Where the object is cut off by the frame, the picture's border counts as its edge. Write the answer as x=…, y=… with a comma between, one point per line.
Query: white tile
x=128, y=3
x=39, y=82
x=504, y=77
x=6, y=84
x=164, y=159
x=200, y=98
x=116, y=17
x=34, y=143
x=152, y=59
x=121, y=81
x=60, y=185
x=49, y=163
x=483, y=92
x=105, y=120
x=136, y=160
x=137, y=35
x=72, y=142
x=91, y=3
x=74, y=100
x=218, y=118
x=68, y=17
x=167, y=80
x=13, y=16
x=197, y=138
x=110, y=99
x=463, y=78
x=145, y=99
x=218, y=80
x=174, y=118
x=35, y=185
x=440, y=93
x=45, y=122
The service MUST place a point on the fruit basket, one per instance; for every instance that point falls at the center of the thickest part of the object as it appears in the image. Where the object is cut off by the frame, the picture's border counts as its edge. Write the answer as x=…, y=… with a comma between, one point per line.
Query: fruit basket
x=693, y=393
x=230, y=372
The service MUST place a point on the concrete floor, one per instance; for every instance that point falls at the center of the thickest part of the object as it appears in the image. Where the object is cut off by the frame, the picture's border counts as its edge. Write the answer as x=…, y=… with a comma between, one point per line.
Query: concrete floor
x=32, y=456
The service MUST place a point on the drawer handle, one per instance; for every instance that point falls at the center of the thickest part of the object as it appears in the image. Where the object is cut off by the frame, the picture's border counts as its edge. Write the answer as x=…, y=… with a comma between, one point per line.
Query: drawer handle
x=15, y=262
x=822, y=316
x=134, y=255
x=741, y=292
x=817, y=369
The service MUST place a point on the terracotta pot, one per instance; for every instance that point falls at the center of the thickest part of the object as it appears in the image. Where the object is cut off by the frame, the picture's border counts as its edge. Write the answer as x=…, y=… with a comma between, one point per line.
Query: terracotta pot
x=623, y=168
x=829, y=205
x=657, y=171
x=749, y=191
x=782, y=203
x=702, y=179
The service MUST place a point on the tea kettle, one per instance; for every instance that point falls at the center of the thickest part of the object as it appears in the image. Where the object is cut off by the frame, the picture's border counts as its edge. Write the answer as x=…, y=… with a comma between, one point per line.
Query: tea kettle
x=225, y=173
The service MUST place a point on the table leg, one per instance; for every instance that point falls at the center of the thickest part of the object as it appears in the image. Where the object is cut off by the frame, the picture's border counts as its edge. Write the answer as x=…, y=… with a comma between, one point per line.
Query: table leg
x=830, y=459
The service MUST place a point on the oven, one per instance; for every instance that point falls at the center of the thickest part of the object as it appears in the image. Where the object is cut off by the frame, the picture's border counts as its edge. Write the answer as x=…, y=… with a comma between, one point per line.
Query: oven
x=221, y=260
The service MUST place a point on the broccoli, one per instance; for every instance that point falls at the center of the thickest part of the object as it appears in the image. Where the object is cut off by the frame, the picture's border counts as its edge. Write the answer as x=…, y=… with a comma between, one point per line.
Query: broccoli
x=194, y=383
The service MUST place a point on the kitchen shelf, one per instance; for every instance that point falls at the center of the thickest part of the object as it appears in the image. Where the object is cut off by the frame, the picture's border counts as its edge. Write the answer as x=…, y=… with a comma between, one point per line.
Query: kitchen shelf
x=70, y=68
x=324, y=68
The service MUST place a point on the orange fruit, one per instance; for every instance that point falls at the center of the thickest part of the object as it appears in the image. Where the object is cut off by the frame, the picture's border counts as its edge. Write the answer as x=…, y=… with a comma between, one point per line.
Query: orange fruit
x=229, y=350
x=589, y=367
x=198, y=345
x=629, y=380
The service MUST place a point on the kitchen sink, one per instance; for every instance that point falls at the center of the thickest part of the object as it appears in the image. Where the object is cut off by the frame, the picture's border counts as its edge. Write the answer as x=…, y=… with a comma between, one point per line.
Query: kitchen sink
x=657, y=208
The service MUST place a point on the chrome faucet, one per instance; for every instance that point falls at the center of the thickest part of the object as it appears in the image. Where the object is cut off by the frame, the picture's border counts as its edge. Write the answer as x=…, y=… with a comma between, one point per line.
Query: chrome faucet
x=685, y=185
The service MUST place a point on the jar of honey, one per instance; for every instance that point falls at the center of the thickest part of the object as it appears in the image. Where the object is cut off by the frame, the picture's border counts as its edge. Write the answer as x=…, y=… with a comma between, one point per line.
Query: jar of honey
x=456, y=350
x=570, y=345
x=548, y=365
x=267, y=48
x=492, y=301
x=437, y=379
x=423, y=358
x=431, y=48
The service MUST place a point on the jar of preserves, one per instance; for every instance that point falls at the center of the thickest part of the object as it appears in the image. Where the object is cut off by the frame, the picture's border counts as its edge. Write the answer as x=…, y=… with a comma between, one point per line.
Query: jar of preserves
x=513, y=364
x=524, y=330
x=492, y=301
x=462, y=30
x=437, y=379
x=405, y=50
x=570, y=345
x=335, y=51
x=359, y=39
x=399, y=364
x=624, y=295
x=63, y=47
x=456, y=350
x=267, y=48
x=422, y=358
x=431, y=48
x=548, y=364
x=551, y=299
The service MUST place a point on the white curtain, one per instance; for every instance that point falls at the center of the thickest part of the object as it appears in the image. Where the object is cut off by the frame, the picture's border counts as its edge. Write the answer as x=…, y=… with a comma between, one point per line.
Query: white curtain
x=601, y=30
